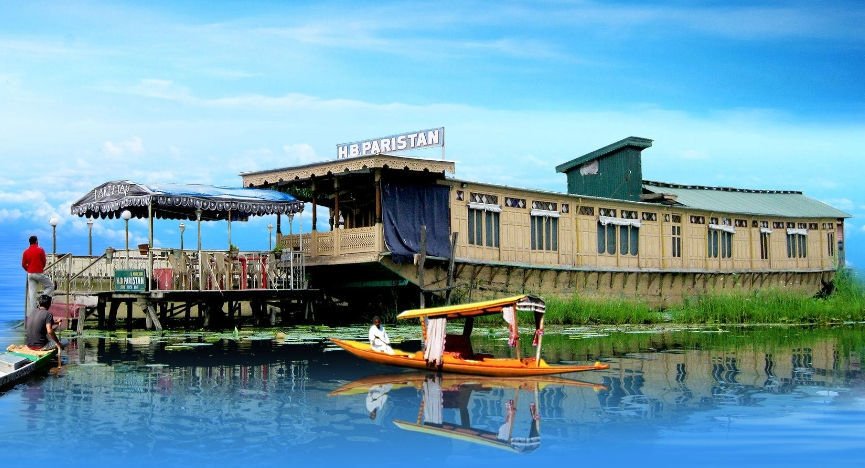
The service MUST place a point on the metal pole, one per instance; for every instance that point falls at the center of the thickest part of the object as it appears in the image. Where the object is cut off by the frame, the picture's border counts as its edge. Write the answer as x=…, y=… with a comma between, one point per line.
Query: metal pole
x=182, y=229
x=229, y=229
x=200, y=273
x=54, y=240
x=90, y=237
x=127, y=244
x=269, y=239
x=150, y=245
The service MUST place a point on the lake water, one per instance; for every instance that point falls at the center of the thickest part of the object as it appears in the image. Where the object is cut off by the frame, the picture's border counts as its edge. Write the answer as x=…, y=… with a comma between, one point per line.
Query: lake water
x=677, y=397
x=755, y=397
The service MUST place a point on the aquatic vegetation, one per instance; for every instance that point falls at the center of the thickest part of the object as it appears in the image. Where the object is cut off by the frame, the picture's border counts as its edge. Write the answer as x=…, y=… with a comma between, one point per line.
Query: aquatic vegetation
x=779, y=306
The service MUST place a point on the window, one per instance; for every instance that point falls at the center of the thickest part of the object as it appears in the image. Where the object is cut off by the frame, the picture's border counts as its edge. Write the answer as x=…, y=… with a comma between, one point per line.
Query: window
x=720, y=244
x=677, y=241
x=607, y=239
x=628, y=237
x=545, y=225
x=545, y=233
x=830, y=243
x=797, y=244
x=483, y=227
x=764, y=245
x=629, y=240
x=483, y=220
x=587, y=211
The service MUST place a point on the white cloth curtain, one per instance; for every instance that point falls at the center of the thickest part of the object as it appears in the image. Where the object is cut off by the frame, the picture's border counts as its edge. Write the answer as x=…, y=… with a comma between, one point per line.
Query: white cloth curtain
x=436, y=329
x=723, y=227
x=803, y=232
x=589, y=168
x=604, y=220
x=508, y=315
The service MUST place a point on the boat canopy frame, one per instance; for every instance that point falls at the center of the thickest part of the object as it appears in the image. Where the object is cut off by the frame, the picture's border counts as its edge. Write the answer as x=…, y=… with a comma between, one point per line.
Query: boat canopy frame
x=435, y=319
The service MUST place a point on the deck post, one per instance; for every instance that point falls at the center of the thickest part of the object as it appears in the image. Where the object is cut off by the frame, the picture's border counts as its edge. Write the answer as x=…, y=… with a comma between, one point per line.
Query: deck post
x=150, y=214
x=128, y=314
x=314, y=210
x=421, y=259
x=450, y=283
x=377, y=178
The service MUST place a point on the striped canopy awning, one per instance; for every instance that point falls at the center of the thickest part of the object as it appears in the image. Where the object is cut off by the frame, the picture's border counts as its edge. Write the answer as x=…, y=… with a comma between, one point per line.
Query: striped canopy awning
x=182, y=201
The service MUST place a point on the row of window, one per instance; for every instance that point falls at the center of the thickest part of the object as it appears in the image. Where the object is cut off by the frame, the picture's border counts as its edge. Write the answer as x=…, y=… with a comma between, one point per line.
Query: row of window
x=483, y=227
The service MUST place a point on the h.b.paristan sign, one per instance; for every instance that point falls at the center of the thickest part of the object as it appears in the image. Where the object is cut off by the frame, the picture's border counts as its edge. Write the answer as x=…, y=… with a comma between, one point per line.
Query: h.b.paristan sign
x=401, y=142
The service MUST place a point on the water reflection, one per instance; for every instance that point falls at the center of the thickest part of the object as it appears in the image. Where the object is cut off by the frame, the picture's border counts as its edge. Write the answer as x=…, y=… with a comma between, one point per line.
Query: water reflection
x=479, y=410
x=743, y=396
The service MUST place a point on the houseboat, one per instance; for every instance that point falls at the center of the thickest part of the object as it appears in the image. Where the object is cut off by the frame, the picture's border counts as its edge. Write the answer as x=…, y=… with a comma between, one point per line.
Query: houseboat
x=400, y=224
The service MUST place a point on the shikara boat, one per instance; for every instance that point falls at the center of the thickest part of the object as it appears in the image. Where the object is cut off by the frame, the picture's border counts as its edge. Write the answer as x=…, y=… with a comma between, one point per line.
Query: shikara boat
x=453, y=353
x=20, y=362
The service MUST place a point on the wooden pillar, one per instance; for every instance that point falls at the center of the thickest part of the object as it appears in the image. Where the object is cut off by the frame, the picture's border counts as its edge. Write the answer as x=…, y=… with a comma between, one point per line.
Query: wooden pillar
x=100, y=312
x=335, y=215
x=112, y=314
x=450, y=283
x=128, y=314
x=421, y=259
x=378, y=196
x=314, y=210
x=152, y=316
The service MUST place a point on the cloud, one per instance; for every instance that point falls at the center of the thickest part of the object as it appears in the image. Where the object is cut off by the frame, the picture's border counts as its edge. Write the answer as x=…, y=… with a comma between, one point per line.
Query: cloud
x=7, y=215
x=844, y=204
x=693, y=155
x=131, y=146
x=300, y=153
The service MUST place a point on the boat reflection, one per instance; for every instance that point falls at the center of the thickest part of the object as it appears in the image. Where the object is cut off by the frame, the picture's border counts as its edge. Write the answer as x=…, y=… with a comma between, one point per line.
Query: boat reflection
x=513, y=427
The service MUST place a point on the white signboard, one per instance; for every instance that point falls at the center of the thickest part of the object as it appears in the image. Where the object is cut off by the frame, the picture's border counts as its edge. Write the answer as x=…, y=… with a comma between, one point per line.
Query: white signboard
x=401, y=142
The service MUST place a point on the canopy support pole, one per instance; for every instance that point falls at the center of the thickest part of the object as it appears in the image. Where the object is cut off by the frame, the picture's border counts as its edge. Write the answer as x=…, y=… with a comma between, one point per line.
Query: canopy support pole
x=150, y=213
x=540, y=340
x=229, y=229
x=200, y=272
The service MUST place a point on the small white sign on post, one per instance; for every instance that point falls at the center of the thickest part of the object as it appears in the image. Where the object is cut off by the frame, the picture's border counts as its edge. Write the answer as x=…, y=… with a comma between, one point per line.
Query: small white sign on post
x=389, y=144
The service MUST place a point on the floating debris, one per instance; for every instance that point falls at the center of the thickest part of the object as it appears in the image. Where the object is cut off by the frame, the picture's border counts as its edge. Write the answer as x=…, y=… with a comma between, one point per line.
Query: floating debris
x=178, y=348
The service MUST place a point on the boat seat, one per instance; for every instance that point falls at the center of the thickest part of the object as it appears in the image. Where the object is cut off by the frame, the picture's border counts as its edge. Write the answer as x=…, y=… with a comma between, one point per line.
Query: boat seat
x=10, y=362
x=458, y=346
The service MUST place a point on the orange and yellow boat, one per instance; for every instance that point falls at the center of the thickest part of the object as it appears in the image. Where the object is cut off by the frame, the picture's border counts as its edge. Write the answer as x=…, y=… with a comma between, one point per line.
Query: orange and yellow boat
x=453, y=353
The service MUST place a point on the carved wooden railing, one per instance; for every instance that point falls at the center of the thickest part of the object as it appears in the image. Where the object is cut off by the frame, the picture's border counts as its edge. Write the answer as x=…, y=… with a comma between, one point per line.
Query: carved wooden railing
x=336, y=242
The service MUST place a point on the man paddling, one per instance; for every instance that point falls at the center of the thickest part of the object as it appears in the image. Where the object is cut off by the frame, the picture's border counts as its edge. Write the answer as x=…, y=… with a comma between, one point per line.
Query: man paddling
x=40, y=327
x=378, y=339
x=33, y=261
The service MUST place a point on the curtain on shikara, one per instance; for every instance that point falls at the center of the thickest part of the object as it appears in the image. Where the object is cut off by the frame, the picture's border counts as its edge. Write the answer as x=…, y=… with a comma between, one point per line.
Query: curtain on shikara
x=407, y=207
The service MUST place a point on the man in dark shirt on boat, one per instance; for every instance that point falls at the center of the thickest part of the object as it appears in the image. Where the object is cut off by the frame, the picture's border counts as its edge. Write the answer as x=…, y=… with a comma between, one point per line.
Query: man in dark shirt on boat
x=40, y=327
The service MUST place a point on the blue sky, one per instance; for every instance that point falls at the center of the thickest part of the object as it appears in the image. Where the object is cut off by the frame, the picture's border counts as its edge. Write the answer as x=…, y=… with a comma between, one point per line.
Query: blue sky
x=752, y=94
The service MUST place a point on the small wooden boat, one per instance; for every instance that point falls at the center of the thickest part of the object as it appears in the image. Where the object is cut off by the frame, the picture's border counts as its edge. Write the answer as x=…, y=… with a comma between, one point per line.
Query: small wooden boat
x=20, y=362
x=453, y=353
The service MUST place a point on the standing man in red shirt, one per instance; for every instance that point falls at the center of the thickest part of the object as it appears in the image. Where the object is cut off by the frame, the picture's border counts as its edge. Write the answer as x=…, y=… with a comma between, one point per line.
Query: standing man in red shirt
x=33, y=261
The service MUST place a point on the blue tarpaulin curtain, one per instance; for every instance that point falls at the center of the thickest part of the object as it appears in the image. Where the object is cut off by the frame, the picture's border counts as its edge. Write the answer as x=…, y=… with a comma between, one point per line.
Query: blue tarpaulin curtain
x=407, y=207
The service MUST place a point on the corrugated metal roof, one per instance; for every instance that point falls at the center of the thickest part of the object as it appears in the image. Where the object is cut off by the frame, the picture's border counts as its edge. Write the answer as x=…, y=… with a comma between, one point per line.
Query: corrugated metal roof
x=787, y=204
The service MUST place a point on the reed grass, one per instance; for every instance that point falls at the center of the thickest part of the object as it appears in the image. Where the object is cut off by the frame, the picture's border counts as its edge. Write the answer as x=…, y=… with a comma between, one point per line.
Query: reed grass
x=845, y=304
